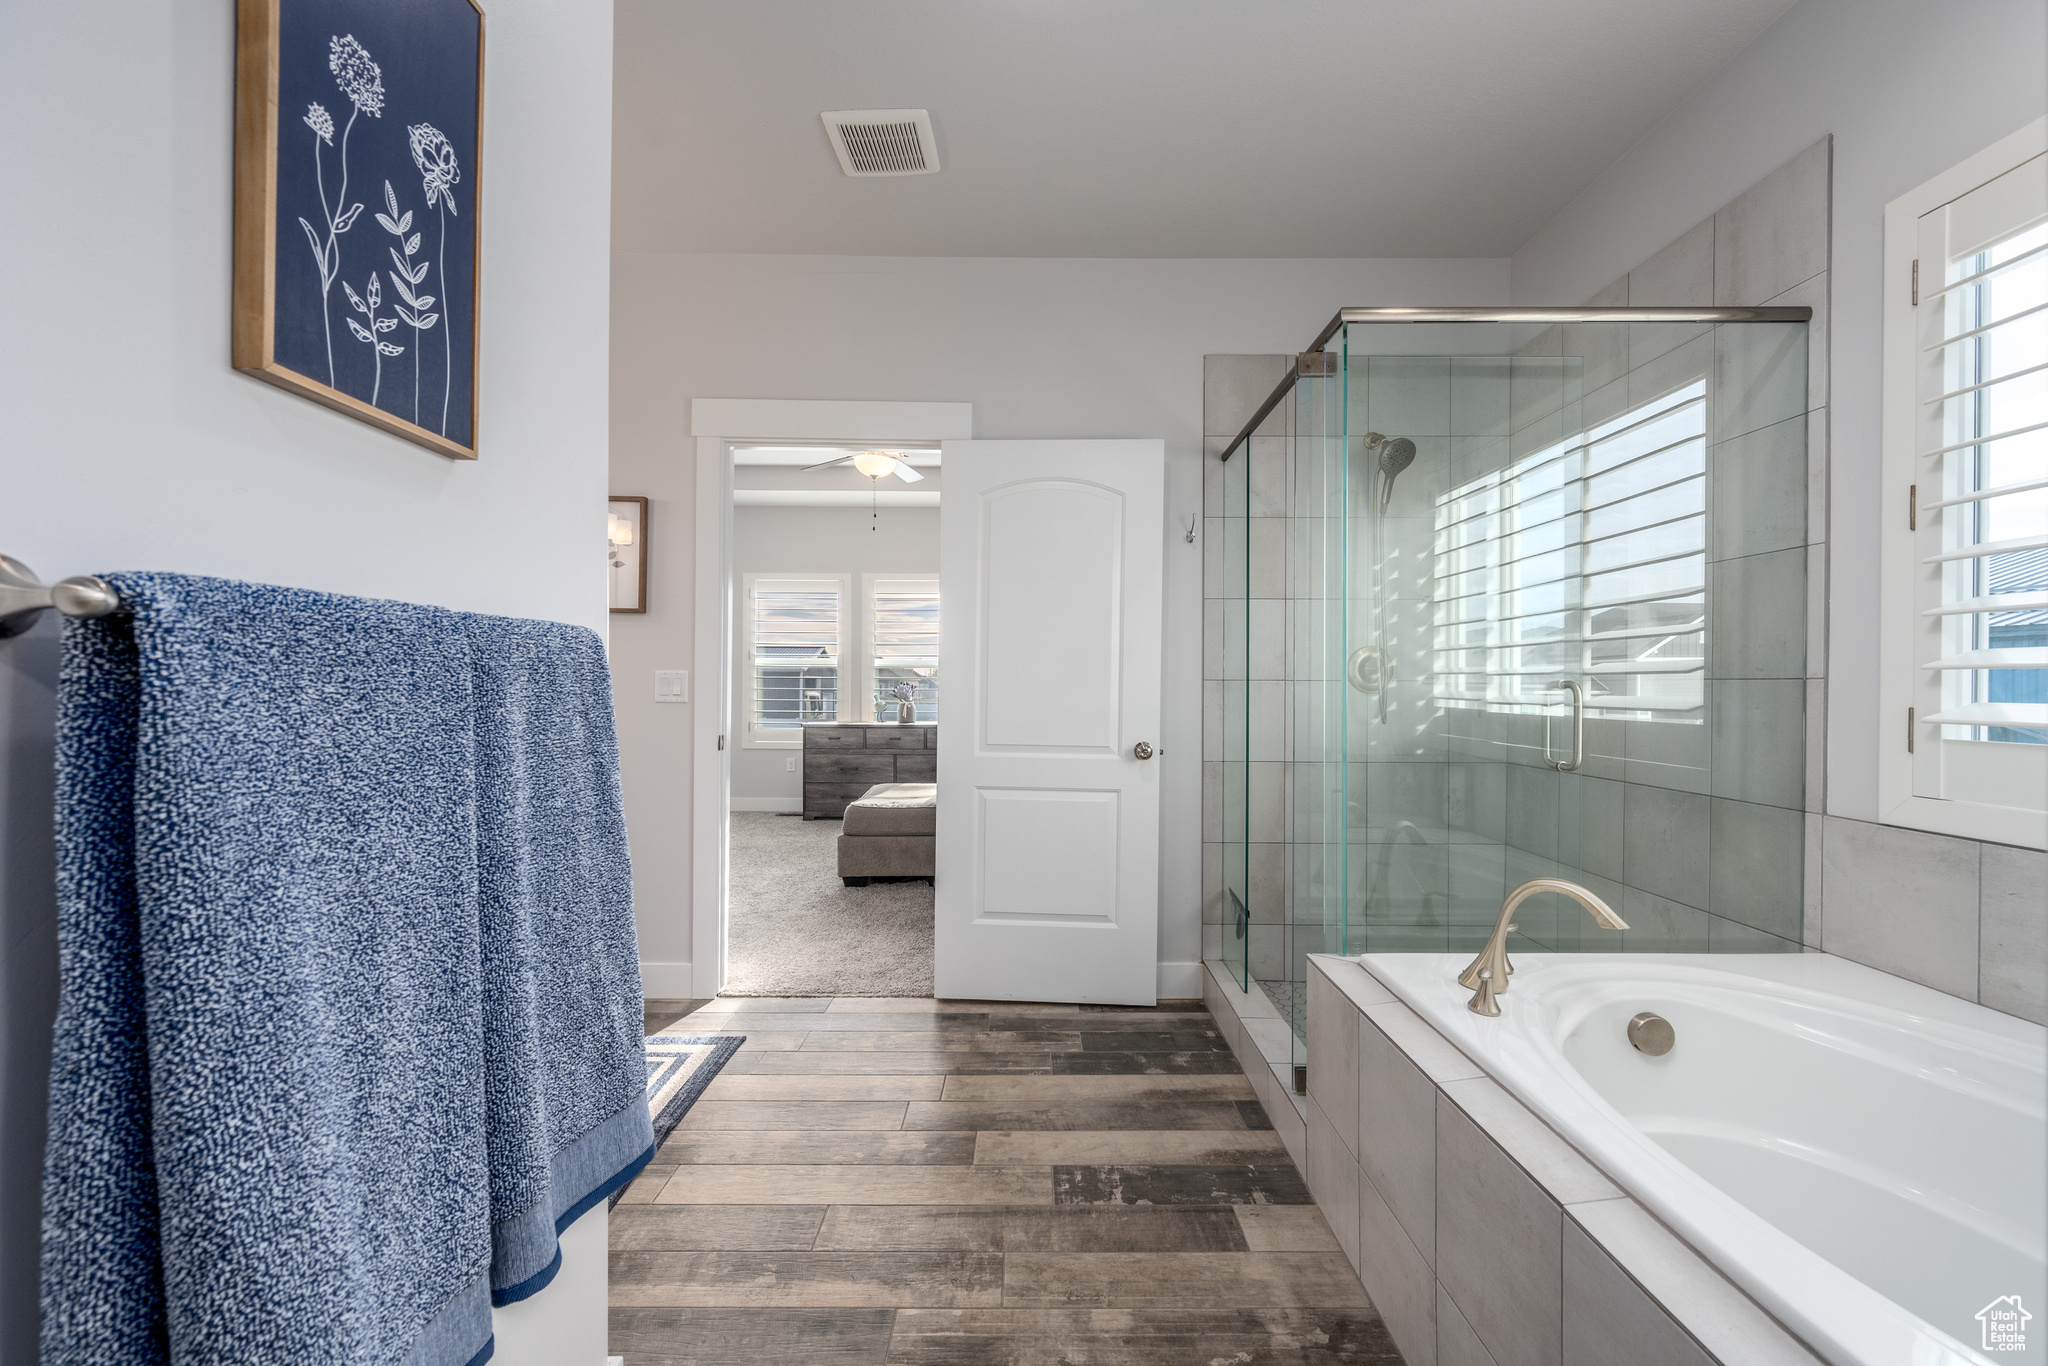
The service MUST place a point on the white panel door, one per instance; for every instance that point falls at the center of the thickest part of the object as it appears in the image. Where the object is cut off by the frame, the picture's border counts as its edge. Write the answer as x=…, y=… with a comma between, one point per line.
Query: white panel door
x=1048, y=829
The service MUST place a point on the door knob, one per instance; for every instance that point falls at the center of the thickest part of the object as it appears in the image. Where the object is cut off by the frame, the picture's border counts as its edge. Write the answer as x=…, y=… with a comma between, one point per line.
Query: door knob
x=1142, y=750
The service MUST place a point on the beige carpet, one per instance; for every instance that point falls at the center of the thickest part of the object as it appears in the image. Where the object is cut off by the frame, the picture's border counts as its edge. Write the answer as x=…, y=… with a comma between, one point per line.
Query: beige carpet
x=793, y=929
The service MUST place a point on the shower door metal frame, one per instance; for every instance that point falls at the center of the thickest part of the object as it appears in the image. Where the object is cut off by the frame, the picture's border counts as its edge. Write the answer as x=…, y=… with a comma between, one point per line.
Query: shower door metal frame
x=1504, y=315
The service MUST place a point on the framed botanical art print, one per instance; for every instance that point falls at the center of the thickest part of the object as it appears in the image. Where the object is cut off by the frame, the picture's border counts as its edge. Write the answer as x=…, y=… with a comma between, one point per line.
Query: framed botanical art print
x=357, y=130
x=625, y=546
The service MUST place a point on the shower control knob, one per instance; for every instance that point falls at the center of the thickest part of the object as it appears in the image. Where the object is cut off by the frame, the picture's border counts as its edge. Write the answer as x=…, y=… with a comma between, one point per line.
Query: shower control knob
x=1142, y=750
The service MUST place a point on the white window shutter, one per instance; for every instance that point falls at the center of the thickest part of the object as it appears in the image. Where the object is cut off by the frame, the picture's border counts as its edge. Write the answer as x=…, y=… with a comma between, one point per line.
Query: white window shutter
x=1979, y=505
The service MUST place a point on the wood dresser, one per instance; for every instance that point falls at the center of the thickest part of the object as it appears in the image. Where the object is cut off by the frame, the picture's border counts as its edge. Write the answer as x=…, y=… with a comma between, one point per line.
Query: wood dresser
x=843, y=759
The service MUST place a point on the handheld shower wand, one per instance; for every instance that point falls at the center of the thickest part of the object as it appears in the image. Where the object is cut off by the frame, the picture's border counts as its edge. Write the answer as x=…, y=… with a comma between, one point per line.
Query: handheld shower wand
x=1396, y=454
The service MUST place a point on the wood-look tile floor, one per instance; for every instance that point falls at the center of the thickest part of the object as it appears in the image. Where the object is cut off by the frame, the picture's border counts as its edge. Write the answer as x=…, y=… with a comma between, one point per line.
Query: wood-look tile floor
x=923, y=1183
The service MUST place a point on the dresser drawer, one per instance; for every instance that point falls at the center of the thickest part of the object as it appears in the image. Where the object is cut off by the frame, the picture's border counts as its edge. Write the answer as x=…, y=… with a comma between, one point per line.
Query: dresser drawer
x=834, y=737
x=917, y=768
x=897, y=737
x=838, y=767
x=828, y=801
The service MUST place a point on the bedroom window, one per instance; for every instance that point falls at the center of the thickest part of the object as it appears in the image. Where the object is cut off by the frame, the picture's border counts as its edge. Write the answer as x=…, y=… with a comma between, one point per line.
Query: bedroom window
x=797, y=629
x=903, y=636
x=1966, y=433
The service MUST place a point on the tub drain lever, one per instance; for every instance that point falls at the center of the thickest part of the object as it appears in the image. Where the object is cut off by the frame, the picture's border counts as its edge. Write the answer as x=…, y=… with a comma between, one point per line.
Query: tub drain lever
x=1651, y=1033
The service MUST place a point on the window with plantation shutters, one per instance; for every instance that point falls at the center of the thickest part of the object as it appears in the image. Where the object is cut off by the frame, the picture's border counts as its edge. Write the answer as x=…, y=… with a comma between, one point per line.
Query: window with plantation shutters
x=903, y=644
x=796, y=632
x=1970, y=572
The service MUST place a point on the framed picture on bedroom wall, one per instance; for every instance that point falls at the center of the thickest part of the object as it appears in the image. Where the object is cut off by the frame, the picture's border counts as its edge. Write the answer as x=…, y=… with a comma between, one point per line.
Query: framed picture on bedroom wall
x=358, y=126
x=625, y=548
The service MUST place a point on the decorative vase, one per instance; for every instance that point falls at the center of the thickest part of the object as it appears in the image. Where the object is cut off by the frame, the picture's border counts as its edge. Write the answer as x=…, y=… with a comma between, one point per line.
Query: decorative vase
x=906, y=712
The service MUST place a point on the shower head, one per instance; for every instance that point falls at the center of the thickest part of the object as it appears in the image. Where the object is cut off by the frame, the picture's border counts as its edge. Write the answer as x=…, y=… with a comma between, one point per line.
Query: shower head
x=1397, y=453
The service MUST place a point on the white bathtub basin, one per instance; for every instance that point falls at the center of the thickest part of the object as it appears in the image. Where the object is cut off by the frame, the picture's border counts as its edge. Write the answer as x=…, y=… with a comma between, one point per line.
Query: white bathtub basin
x=1865, y=1157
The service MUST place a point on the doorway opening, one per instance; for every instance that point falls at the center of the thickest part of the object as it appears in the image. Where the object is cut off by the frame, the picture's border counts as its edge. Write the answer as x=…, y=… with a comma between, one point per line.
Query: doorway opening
x=819, y=616
x=835, y=649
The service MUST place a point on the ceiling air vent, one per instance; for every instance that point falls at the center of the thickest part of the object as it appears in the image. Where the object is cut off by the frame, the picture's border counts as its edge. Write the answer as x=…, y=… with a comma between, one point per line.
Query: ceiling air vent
x=883, y=141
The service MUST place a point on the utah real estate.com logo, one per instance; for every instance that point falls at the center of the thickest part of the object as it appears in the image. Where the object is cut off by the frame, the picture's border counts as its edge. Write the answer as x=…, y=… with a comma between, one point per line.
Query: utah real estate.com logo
x=2005, y=1324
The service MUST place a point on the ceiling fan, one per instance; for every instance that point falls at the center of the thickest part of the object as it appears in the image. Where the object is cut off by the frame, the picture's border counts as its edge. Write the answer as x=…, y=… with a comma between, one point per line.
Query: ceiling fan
x=874, y=464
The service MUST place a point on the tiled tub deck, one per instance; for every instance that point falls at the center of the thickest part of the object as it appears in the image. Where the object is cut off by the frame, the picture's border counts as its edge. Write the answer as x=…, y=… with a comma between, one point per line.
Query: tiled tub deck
x=1481, y=1235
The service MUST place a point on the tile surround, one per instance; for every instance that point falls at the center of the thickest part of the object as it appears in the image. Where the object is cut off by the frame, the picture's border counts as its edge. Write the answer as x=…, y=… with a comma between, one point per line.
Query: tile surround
x=1399, y=1279
x=1608, y=1321
x=1759, y=481
x=1903, y=901
x=1496, y=1243
x=2012, y=886
x=1396, y=1127
x=1774, y=234
x=1456, y=1343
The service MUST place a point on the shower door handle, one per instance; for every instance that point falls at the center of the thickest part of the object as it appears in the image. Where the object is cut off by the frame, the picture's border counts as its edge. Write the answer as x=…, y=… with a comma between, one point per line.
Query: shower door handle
x=1578, y=730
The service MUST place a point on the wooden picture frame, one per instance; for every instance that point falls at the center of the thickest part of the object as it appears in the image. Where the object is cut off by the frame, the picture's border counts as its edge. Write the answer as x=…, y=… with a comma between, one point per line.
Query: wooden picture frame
x=340, y=244
x=627, y=560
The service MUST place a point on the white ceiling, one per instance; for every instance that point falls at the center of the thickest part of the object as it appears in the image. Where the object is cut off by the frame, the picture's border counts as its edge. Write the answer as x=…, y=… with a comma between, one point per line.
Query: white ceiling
x=1146, y=128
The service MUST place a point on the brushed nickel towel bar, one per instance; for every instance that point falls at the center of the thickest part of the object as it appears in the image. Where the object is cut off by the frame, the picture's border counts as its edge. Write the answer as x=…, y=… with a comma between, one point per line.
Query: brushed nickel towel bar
x=1320, y=367
x=23, y=598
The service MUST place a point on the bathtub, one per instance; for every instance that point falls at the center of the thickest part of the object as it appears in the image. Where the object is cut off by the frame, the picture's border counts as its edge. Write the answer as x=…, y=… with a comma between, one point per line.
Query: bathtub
x=1865, y=1157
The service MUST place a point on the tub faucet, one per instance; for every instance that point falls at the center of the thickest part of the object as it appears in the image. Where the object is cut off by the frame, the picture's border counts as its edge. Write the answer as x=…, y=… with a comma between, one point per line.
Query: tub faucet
x=1488, y=974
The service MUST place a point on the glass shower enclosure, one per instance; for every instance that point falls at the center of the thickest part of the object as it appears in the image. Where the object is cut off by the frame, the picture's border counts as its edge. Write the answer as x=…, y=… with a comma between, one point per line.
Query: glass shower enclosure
x=1509, y=594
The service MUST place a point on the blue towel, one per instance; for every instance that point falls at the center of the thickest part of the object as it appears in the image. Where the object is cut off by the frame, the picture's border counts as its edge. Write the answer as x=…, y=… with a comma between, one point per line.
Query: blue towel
x=302, y=1018
x=567, y=1074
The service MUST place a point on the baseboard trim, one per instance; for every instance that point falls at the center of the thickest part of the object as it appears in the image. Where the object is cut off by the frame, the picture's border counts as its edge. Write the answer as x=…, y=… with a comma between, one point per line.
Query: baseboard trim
x=665, y=981
x=1180, y=981
x=792, y=805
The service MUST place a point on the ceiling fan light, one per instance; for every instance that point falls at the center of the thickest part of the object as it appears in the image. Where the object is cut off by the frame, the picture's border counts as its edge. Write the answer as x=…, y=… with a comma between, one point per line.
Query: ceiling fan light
x=875, y=464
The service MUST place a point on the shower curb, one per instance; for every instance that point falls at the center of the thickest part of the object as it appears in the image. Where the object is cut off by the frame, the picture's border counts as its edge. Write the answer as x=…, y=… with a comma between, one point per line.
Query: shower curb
x=1264, y=1048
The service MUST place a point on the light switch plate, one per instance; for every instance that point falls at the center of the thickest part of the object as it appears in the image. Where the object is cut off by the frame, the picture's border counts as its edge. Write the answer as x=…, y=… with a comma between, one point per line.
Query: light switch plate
x=671, y=685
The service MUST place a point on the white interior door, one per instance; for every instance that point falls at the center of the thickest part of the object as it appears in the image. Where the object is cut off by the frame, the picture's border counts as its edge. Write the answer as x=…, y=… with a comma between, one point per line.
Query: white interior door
x=1050, y=569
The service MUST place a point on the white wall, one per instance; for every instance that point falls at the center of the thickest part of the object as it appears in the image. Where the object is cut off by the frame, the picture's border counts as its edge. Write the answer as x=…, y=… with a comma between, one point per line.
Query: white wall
x=798, y=540
x=1041, y=348
x=130, y=444
x=1907, y=89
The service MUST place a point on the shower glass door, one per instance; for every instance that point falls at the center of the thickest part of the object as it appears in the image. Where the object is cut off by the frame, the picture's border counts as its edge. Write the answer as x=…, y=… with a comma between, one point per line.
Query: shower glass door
x=1504, y=601
x=1231, y=532
x=1587, y=667
x=1307, y=791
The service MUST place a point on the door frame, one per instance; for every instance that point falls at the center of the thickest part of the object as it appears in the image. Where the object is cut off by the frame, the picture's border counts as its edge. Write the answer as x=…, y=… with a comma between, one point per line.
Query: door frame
x=716, y=424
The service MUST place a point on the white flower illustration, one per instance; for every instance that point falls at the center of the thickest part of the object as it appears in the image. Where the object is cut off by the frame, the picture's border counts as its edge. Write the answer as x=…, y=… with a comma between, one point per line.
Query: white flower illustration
x=321, y=122
x=407, y=274
x=440, y=172
x=435, y=156
x=379, y=348
x=360, y=78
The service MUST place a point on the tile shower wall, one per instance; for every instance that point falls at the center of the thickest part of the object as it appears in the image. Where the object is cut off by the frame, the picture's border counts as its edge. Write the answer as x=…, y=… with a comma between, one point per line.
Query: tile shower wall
x=1719, y=831
x=1959, y=915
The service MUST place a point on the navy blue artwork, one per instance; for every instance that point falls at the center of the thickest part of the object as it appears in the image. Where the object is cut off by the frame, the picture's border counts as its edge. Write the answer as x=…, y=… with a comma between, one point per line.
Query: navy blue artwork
x=376, y=179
